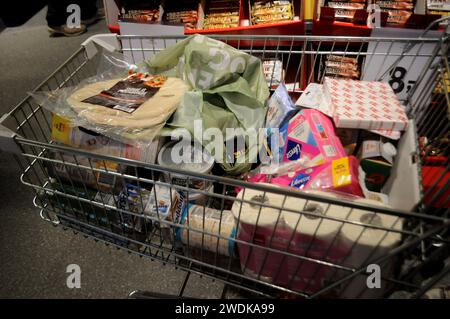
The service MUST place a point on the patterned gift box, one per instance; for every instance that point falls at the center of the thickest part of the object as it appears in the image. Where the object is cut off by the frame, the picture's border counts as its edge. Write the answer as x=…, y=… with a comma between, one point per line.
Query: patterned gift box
x=365, y=105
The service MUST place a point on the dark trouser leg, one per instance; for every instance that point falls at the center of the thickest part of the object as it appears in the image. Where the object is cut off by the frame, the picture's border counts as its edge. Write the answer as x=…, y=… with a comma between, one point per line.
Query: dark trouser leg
x=56, y=12
x=88, y=8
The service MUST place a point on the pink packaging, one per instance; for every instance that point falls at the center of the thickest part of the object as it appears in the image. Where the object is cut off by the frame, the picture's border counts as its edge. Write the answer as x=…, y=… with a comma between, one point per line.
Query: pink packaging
x=309, y=135
x=339, y=175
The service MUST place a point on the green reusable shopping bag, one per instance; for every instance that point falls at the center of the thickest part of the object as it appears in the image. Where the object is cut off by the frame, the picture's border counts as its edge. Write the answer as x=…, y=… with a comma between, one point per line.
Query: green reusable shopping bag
x=229, y=90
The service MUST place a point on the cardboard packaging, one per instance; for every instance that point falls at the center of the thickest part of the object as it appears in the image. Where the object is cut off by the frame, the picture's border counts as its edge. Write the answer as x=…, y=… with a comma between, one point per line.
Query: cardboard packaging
x=376, y=160
x=367, y=105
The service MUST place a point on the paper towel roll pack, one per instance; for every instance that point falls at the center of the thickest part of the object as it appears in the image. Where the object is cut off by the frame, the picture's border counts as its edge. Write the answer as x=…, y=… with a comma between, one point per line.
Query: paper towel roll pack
x=300, y=234
x=307, y=235
x=367, y=244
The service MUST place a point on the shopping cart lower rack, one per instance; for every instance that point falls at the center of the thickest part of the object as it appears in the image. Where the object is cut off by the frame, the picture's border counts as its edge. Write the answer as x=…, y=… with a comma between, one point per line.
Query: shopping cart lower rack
x=231, y=238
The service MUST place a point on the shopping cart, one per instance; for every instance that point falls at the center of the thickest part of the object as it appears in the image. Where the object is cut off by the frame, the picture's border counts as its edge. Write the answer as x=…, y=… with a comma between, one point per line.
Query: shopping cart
x=268, y=266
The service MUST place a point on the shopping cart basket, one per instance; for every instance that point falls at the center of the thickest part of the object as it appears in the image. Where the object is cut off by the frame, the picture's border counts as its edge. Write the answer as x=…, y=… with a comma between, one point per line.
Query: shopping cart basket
x=266, y=260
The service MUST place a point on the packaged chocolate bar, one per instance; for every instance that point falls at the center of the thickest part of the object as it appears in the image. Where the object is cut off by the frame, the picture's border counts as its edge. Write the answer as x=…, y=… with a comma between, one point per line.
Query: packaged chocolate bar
x=341, y=72
x=344, y=13
x=271, y=18
x=339, y=58
x=271, y=11
x=269, y=4
x=395, y=5
x=341, y=65
x=397, y=16
x=141, y=15
x=346, y=5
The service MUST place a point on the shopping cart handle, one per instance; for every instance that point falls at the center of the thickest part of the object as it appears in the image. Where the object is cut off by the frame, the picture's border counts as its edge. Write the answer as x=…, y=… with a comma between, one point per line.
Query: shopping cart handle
x=7, y=142
x=106, y=41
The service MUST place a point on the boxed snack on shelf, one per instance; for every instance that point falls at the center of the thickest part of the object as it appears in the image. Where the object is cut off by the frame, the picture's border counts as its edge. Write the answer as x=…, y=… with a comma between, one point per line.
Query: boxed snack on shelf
x=141, y=11
x=271, y=11
x=398, y=11
x=341, y=66
x=220, y=14
x=181, y=12
x=439, y=7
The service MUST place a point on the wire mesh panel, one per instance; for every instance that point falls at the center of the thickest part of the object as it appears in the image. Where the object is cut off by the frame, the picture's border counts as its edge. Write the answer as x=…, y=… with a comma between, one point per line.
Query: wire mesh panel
x=268, y=240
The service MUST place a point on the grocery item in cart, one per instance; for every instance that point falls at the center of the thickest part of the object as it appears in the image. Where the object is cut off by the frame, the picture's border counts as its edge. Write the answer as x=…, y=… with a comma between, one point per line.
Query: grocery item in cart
x=284, y=228
x=279, y=108
x=377, y=159
x=200, y=222
x=64, y=132
x=85, y=172
x=309, y=134
x=340, y=175
x=136, y=102
x=273, y=71
x=364, y=104
x=230, y=93
x=186, y=156
x=161, y=201
x=367, y=244
x=313, y=97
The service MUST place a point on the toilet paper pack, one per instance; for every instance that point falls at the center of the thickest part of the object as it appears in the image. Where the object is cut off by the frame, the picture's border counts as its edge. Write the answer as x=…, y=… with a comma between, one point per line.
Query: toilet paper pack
x=294, y=226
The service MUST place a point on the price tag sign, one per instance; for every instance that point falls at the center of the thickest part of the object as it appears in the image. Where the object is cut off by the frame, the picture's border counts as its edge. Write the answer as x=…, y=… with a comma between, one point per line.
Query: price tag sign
x=387, y=60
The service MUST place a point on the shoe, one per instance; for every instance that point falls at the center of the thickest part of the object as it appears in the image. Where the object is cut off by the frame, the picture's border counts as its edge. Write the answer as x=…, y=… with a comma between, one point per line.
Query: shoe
x=97, y=17
x=64, y=30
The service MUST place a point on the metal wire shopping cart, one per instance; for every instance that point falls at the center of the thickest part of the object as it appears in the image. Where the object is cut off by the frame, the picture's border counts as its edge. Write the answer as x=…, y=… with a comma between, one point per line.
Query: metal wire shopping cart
x=252, y=256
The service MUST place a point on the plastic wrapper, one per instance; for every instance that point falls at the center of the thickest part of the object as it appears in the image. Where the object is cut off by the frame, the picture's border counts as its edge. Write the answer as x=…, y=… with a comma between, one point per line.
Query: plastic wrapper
x=264, y=12
x=301, y=227
x=279, y=108
x=123, y=101
x=273, y=70
x=309, y=134
x=201, y=220
x=339, y=175
x=228, y=93
x=346, y=5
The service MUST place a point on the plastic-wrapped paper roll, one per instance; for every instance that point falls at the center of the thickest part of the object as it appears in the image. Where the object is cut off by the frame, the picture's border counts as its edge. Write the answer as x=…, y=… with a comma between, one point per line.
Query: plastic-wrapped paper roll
x=201, y=220
x=317, y=238
x=280, y=230
x=368, y=244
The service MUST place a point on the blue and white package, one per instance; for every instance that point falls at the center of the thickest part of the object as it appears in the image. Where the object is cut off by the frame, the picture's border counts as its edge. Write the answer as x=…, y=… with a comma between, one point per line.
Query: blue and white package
x=280, y=107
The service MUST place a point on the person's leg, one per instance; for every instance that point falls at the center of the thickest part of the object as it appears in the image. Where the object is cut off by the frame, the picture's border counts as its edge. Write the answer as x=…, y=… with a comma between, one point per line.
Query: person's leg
x=57, y=18
x=90, y=13
x=56, y=13
x=88, y=8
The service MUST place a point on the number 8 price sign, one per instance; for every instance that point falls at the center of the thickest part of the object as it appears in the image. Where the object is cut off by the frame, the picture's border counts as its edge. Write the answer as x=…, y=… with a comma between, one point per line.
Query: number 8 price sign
x=402, y=64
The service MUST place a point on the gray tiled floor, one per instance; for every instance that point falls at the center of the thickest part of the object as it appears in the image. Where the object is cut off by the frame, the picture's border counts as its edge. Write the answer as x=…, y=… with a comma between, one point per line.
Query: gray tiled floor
x=33, y=254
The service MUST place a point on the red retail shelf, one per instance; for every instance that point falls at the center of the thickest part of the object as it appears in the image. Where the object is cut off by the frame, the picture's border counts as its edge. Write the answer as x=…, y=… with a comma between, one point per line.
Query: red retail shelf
x=338, y=28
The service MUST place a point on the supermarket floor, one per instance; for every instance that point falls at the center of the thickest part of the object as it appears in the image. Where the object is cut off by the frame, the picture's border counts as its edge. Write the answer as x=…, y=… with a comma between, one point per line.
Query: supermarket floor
x=33, y=254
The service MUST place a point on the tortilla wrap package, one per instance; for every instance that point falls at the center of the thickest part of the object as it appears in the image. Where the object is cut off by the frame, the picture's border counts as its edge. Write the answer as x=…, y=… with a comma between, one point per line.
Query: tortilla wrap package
x=122, y=101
